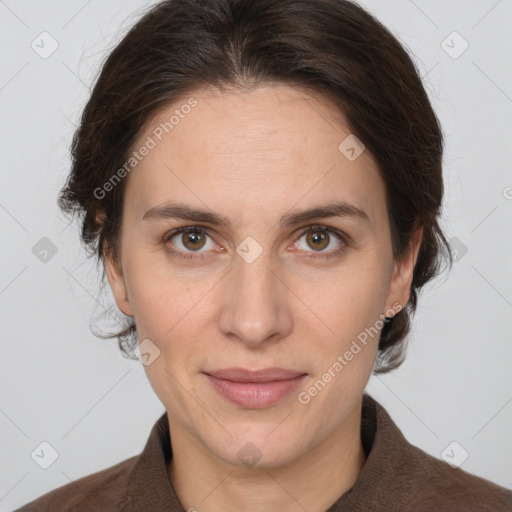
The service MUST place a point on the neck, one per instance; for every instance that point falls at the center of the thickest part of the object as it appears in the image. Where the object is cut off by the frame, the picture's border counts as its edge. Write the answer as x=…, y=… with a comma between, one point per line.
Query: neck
x=313, y=482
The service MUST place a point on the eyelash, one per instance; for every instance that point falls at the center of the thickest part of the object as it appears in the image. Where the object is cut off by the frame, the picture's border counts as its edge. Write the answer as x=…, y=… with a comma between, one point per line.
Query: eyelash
x=196, y=229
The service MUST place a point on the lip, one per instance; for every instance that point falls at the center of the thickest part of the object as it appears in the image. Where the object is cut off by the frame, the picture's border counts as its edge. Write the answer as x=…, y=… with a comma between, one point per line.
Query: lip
x=255, y=389
x=264, y=375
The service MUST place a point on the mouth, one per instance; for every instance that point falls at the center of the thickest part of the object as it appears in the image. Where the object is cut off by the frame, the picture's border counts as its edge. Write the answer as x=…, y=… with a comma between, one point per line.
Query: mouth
x=255, y=389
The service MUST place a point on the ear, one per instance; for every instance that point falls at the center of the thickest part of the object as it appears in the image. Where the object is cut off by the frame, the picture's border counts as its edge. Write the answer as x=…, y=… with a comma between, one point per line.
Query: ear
x=115, y=276
x=401, y=280
x=117, y=284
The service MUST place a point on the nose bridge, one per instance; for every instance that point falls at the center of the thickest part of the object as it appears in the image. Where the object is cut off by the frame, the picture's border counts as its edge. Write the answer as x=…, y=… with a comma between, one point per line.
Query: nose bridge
x=252, y=267
x=255, y=276
x=253, y=310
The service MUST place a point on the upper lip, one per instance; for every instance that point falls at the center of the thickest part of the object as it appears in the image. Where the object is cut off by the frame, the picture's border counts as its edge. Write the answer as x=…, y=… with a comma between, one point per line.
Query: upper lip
x=264, y=375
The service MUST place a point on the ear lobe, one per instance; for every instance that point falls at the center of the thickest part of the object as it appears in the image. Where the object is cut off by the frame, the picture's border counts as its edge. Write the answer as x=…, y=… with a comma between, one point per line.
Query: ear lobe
x=116, y=280
x=403, y=272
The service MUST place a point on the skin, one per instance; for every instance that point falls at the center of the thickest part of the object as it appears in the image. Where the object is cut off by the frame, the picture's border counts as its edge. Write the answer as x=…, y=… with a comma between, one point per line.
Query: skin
x=254, y=156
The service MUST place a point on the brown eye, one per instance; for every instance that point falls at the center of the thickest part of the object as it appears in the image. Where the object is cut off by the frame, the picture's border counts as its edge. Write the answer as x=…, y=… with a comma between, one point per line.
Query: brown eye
x=327, y=242
x=186, y=241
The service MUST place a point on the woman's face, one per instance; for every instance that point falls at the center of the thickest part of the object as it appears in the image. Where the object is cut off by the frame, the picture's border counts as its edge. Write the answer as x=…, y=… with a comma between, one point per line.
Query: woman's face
x=256, y=291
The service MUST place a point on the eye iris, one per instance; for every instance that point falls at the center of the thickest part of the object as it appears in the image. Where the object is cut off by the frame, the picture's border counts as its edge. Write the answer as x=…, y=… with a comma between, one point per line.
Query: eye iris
x=317, y=239
x=195, y=239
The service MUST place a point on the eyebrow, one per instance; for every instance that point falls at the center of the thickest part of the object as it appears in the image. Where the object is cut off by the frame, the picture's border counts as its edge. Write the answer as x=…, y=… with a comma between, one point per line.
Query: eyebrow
x=185, y=212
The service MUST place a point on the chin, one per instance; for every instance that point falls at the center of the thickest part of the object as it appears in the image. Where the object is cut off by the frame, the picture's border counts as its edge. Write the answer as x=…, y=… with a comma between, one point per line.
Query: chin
x=256, y=450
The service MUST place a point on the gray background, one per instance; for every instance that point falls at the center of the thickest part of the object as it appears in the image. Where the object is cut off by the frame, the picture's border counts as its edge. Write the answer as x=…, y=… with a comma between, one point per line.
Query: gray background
x=61, y=384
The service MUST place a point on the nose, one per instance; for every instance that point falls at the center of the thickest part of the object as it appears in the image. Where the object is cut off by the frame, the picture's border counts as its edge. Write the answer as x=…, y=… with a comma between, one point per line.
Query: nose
x=255, y=307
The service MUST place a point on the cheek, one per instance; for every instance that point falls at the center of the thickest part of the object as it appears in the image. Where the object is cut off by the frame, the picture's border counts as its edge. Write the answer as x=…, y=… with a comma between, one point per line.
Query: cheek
x=176, y=316
x=348, y=310
x=158, y=295
x=350, y=298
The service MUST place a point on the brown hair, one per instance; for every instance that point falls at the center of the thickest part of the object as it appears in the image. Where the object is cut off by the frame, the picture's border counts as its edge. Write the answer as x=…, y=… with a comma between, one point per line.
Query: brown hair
x=333, y=48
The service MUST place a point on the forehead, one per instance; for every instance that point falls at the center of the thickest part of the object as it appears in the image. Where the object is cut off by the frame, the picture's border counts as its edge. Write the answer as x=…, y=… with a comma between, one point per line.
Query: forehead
x=265, y=149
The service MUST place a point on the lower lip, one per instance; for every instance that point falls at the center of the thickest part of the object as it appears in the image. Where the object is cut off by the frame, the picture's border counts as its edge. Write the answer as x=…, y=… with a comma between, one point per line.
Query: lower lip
x=255, y=395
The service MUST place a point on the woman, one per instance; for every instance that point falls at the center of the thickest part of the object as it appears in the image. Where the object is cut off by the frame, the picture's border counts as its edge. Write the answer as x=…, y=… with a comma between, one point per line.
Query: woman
x=262, y=181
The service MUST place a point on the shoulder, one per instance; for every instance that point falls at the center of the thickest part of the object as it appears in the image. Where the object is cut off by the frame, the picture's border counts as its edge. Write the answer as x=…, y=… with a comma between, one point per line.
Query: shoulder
x=104, y=490
x=400, y=476
x=435, y=485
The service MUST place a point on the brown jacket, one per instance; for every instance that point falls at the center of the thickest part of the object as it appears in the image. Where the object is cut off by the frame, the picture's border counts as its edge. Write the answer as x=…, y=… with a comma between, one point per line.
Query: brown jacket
x=396, y=477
